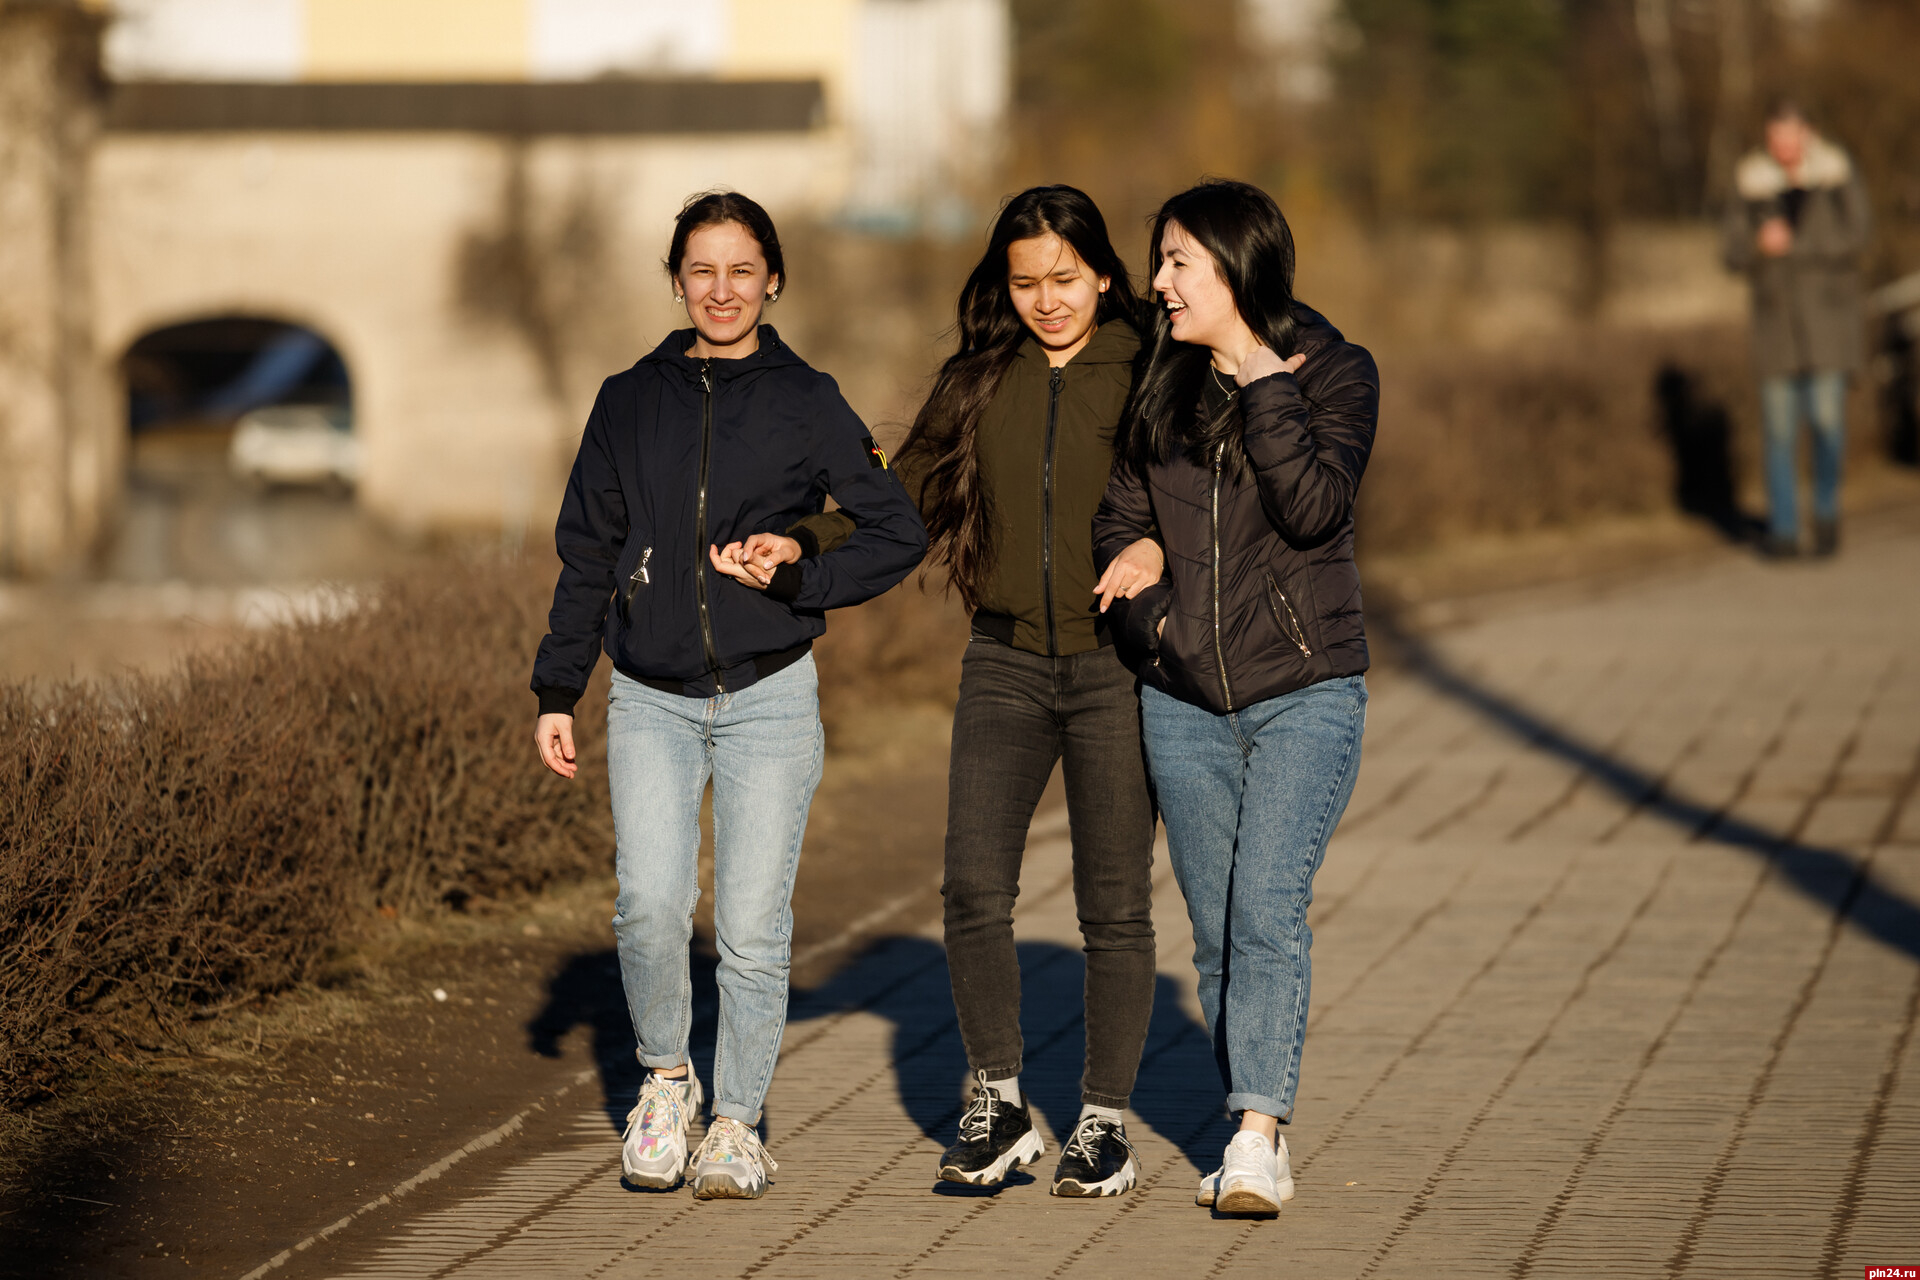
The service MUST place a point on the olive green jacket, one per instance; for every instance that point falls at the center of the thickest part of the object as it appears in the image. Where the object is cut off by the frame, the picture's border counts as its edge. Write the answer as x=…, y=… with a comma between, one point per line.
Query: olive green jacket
x=1045, y=448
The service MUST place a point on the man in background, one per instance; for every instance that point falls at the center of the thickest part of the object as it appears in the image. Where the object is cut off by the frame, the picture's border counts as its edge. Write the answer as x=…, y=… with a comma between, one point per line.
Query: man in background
x=1796, y=225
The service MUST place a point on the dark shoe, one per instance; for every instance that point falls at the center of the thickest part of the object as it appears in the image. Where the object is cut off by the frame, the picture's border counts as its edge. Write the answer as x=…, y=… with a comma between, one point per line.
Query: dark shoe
x=1097, y=1160
x=1826, y=537
x=996, y=1137
x=1775, y=547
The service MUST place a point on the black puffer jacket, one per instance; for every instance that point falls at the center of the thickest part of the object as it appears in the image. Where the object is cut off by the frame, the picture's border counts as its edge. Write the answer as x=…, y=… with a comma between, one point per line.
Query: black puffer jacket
x=682, y=454
x=1261, y=595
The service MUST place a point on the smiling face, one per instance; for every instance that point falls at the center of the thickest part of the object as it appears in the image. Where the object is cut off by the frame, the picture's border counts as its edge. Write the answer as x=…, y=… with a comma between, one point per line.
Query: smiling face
x=1055, y=293
x=1200, y=306
x=725, y=281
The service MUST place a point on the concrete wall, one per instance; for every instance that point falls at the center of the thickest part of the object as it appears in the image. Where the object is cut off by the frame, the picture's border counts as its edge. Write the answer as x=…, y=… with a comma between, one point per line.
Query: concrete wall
x=1493, y=286
x=60, y=458
x=478, y=288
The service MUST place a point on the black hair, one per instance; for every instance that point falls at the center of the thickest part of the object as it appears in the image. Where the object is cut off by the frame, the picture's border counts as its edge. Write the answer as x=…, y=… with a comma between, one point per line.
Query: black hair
x=713, y=208
x=952, y=501
x=1785, y=107
x=1242, y=229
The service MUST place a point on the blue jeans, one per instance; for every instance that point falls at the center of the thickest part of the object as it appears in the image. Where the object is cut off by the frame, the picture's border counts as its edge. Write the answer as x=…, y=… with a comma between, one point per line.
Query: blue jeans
x=1250, y=800
x=762, y=747
x=1821, y=400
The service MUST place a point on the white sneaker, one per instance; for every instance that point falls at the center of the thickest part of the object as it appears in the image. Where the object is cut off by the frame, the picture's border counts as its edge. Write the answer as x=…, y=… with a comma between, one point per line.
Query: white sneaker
x=653, y=1152
x=731, y=1164
x=1257, y=1178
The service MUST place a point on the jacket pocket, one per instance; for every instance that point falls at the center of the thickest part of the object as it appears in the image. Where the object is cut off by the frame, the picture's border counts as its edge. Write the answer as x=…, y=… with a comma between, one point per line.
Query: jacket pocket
x=638, y=577
x=1284, y=615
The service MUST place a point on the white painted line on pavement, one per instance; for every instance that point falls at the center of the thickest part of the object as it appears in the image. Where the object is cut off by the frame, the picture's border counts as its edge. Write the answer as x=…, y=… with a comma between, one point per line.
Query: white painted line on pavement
x=491, y=1138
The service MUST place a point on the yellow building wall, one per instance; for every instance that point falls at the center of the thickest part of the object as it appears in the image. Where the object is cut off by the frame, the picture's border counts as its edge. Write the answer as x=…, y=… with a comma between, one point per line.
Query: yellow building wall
x=794, y=39
x=417, y=39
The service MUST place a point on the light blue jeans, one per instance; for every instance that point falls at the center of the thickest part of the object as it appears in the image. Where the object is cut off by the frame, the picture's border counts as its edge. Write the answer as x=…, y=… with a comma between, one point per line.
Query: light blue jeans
x=1819, y=399
x=1250, y=800
x=762, y=747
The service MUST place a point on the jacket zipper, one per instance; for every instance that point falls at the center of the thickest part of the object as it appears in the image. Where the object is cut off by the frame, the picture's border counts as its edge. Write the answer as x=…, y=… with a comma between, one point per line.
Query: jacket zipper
x=700, y=527
x=1295, y=633
x=1219, y=650
x=1046, y=507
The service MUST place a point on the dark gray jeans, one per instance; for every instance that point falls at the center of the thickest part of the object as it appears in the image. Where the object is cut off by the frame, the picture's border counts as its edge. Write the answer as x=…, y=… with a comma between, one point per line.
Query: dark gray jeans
x=1019, y=714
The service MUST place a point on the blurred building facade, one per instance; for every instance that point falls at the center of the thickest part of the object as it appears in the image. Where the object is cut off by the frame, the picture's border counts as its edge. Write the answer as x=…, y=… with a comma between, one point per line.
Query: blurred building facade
x=467, y=199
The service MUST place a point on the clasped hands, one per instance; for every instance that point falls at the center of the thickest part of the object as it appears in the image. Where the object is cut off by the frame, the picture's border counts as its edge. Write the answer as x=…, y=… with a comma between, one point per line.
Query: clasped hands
x=754, y=559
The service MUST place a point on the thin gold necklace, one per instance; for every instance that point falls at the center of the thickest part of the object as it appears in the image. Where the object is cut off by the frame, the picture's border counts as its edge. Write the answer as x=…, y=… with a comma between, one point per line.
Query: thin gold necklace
x=1231, y=391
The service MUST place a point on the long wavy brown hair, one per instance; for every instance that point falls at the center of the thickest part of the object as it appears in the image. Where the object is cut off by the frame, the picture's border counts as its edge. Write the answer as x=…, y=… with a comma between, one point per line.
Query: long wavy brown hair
x=953, y=502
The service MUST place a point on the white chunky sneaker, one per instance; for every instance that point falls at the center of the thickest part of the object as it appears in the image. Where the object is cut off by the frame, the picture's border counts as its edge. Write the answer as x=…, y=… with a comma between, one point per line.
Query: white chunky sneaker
x=1252, y=1177
x=654, y=1151
x=1210, y=1185
x=731, y=1164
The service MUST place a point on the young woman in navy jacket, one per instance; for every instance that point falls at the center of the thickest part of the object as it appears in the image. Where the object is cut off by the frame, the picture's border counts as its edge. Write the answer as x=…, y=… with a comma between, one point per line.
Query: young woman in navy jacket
x=721, y=432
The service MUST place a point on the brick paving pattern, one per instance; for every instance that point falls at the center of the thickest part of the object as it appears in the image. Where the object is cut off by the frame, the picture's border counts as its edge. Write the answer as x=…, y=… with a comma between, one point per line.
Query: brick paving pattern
x=1615, y=974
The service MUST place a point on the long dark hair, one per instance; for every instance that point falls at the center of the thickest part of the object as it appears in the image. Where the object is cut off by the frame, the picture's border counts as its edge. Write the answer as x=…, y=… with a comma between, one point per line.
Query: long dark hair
x=952, y=501
x=1252, y=247
x=713, y=208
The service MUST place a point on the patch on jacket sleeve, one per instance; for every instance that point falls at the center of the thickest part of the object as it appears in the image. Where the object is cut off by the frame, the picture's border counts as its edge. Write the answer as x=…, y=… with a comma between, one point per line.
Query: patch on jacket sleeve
x=876, y=456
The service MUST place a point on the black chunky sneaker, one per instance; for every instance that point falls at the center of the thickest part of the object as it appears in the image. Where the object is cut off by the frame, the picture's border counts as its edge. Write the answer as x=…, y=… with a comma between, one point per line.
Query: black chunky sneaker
x=996, y=1137
x=1097, y=1160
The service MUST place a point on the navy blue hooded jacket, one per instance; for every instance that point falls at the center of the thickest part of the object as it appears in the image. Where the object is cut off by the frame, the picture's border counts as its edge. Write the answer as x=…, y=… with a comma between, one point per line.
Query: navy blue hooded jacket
x=680, y=454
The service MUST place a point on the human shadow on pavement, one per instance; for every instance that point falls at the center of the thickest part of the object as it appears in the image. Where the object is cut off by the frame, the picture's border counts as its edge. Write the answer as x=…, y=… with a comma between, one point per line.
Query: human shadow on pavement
x=586, y=991
x=1700, y=433
x=903, y=979
x=1831, y=877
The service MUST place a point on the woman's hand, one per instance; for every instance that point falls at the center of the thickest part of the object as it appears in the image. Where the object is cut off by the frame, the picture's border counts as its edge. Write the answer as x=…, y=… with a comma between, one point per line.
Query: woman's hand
x=1261, y=362
x=1775, y=237
x=554, y=736
x=765, y=552
x=1132, y=571
x=754, y=560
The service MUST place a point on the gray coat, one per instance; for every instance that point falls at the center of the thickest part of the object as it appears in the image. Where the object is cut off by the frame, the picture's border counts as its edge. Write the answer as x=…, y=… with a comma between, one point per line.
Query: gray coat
x=1806, y=305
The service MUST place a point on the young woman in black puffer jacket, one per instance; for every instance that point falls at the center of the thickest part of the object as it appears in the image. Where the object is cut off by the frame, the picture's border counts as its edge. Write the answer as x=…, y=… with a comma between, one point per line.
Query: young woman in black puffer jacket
x=1245, y=443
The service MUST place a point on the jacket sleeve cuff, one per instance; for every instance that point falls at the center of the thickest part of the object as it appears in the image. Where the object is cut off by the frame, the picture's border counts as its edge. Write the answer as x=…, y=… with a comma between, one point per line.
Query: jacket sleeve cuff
x=785, y=586
x=1136, y=625
x=809, y=542
x=557, y=701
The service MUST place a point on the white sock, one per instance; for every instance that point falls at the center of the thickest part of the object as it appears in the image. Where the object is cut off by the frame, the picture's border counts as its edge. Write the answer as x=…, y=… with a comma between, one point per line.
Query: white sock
x=1105, y=1113
x=1008, y=1089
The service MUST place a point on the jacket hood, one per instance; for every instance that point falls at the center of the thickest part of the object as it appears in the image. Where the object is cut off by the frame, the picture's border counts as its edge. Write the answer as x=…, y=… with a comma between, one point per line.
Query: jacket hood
x=1760, y=177
x=1114, y=342
x=773, y=354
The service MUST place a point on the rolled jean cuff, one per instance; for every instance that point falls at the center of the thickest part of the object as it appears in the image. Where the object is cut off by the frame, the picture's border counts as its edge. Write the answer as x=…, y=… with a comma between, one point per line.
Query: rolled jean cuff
x=1238, y=1102
x=1117, y=1101
x=663, y=1061
x=749, y=1116
x=996, y=1074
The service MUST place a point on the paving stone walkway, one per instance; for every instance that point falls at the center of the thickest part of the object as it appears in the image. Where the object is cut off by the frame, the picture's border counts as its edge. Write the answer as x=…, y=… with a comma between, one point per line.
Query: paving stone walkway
x=1617, y=968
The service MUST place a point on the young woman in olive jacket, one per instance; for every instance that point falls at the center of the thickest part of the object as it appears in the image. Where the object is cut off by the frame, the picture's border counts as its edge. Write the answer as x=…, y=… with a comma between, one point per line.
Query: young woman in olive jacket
x=1007, y=460
x=1245, y=446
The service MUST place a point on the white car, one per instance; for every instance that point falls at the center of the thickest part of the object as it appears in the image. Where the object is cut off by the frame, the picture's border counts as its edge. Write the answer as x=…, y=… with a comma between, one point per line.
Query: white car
x=295, y=444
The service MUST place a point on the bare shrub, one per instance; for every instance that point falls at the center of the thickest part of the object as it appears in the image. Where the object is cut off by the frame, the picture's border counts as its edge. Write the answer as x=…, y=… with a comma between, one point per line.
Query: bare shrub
x=1547, y=434
x=171, y=847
